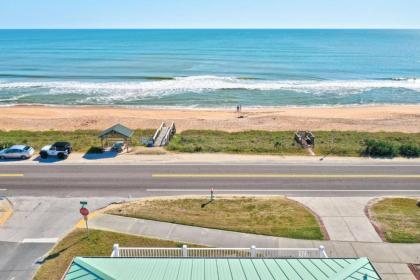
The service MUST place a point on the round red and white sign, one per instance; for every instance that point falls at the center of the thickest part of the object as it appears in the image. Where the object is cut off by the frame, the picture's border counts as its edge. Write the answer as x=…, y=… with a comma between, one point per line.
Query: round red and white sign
x=84, y=211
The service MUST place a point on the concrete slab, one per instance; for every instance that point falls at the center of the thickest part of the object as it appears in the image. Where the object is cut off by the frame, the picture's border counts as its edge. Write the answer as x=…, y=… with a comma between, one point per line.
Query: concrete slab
x=376, y=252
x=337, y=229
x=340, y=250
x=405, y=277
x=361, y=229
x=343, y=217
x=383, y=268
x=407, y=253
x=400, y=268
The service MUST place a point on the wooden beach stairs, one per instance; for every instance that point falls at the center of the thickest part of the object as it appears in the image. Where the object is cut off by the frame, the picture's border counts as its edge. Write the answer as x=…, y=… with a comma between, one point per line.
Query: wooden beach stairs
x=164, y=134
x=307, y=140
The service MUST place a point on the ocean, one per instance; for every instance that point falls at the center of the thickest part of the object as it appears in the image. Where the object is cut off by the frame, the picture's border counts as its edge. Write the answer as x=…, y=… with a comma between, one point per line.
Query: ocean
x=210, y=68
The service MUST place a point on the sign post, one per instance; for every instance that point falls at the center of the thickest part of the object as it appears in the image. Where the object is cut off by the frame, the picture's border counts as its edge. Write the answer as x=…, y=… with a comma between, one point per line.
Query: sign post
x=85, y=212
x=211, y=194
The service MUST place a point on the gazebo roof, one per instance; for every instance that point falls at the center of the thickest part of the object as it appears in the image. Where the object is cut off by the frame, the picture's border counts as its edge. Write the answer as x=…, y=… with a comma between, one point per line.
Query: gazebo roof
x=118, y=129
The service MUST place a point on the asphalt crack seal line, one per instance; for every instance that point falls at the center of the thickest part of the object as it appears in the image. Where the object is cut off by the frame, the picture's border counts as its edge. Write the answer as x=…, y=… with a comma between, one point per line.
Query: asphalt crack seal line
x=312, y=176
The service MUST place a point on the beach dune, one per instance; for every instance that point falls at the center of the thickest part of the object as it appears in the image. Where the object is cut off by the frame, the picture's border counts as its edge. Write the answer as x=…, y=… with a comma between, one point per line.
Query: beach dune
x=401, y=118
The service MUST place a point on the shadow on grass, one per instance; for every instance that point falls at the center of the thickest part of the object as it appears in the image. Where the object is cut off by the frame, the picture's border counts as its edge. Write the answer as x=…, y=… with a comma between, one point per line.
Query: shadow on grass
x=57, y=254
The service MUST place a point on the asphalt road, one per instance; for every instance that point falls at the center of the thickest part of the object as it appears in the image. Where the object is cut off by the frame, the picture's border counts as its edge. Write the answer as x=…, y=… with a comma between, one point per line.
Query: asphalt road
x=147, y=180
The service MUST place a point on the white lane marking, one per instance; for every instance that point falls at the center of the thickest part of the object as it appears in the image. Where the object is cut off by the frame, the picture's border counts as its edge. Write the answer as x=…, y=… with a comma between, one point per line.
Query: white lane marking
x=3, y=190
x=40, y=240
x=286, y=190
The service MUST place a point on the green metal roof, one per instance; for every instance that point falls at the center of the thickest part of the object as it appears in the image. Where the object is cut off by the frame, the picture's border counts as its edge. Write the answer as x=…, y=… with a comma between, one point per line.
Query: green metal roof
x=218, y=269
x=119, y=129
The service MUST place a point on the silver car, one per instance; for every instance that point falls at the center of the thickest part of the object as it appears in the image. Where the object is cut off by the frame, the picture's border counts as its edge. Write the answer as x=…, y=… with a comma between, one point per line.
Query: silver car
x=17, y=151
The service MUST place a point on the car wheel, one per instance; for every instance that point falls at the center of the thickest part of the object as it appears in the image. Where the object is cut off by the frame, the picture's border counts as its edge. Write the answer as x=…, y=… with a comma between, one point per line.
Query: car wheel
x=44, y=155
x=2, y=157
x=23, y=157
x=61, y=156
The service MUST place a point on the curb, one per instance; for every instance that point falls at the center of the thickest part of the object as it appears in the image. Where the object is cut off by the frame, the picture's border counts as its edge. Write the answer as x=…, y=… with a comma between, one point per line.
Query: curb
x=7, y=212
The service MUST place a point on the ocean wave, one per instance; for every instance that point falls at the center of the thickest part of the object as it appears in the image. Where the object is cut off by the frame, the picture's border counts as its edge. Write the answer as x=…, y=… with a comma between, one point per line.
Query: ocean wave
x=199, y=83
x=110, y=92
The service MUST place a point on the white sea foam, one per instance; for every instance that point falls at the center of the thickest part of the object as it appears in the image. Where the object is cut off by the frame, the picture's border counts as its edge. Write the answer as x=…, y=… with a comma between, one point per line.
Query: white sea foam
x=132, y=90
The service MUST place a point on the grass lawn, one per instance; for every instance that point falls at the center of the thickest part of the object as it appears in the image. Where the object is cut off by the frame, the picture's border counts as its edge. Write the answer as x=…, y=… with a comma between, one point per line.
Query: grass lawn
x=335, y=143
x=398, y=219
x=82, y=140
x=275, y=216
x=99, y=243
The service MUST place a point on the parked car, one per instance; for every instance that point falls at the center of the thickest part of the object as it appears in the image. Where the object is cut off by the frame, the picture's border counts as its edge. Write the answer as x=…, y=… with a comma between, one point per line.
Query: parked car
x=58, y=149
x=17, y=151
x=118, y=146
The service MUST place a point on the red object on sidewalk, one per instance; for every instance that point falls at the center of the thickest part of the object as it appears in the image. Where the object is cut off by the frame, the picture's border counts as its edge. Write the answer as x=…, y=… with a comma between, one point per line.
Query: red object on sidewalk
x=84, y=211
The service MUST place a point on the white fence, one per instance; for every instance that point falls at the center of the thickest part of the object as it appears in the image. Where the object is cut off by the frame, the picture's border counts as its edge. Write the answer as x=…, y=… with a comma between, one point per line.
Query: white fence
x=253, y=252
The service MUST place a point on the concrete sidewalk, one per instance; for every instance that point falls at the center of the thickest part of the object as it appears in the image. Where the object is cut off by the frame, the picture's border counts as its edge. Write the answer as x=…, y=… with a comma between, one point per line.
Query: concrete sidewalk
x=343, y=217
x=159, y=156
x=389, y=259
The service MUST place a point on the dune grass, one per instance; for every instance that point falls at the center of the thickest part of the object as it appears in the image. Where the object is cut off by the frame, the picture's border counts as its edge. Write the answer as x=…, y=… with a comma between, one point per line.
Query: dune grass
x=334, y=143
x=398, y=219
x=82, y=140
x=274, y=216
x=99, y=243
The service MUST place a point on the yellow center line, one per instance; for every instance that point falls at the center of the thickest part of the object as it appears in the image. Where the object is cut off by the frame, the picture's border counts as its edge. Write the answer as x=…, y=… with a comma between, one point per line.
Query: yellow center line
x=259, y=175
x=11, y=175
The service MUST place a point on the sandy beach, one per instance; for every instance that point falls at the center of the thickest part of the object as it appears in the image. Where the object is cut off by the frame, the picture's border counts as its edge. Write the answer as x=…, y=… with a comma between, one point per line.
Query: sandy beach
x=402, y=118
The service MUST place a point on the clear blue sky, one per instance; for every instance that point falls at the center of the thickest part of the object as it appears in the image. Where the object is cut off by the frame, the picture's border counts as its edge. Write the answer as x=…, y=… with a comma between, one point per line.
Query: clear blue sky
x=210, y=14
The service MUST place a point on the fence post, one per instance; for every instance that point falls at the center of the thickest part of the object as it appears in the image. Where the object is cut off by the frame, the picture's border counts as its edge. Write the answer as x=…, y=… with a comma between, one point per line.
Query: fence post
x=115, y=251
x=253, y=251
x=184, y=251
x=322, y=253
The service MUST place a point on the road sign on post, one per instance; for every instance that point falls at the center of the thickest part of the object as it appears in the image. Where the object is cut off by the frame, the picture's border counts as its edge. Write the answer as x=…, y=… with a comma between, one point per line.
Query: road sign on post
x=211, y=194
x=84, y=212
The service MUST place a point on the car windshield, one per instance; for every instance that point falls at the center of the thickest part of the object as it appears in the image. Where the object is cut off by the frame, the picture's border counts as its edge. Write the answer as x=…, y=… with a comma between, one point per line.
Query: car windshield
x=26, y=148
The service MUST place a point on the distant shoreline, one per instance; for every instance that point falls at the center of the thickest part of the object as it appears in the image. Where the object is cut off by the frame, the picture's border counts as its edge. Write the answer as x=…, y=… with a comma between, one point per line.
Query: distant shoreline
x=196, y=108
x=398, y=118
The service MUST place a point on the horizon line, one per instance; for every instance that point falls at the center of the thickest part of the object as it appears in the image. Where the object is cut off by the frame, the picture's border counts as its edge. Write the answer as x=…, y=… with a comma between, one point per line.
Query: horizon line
x=212, y=28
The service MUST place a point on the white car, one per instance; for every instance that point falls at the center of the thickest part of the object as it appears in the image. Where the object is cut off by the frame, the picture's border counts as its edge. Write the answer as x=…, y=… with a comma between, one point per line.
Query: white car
x=17, y=151
x=58, y=149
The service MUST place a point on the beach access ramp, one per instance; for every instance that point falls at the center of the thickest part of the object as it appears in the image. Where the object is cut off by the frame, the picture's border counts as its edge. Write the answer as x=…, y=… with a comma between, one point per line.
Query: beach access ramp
x=164, y=134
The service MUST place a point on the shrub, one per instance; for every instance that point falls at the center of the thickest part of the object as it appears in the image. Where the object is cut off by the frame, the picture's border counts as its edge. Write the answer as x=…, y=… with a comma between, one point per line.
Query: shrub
x=380, y=149
x=410, y=151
